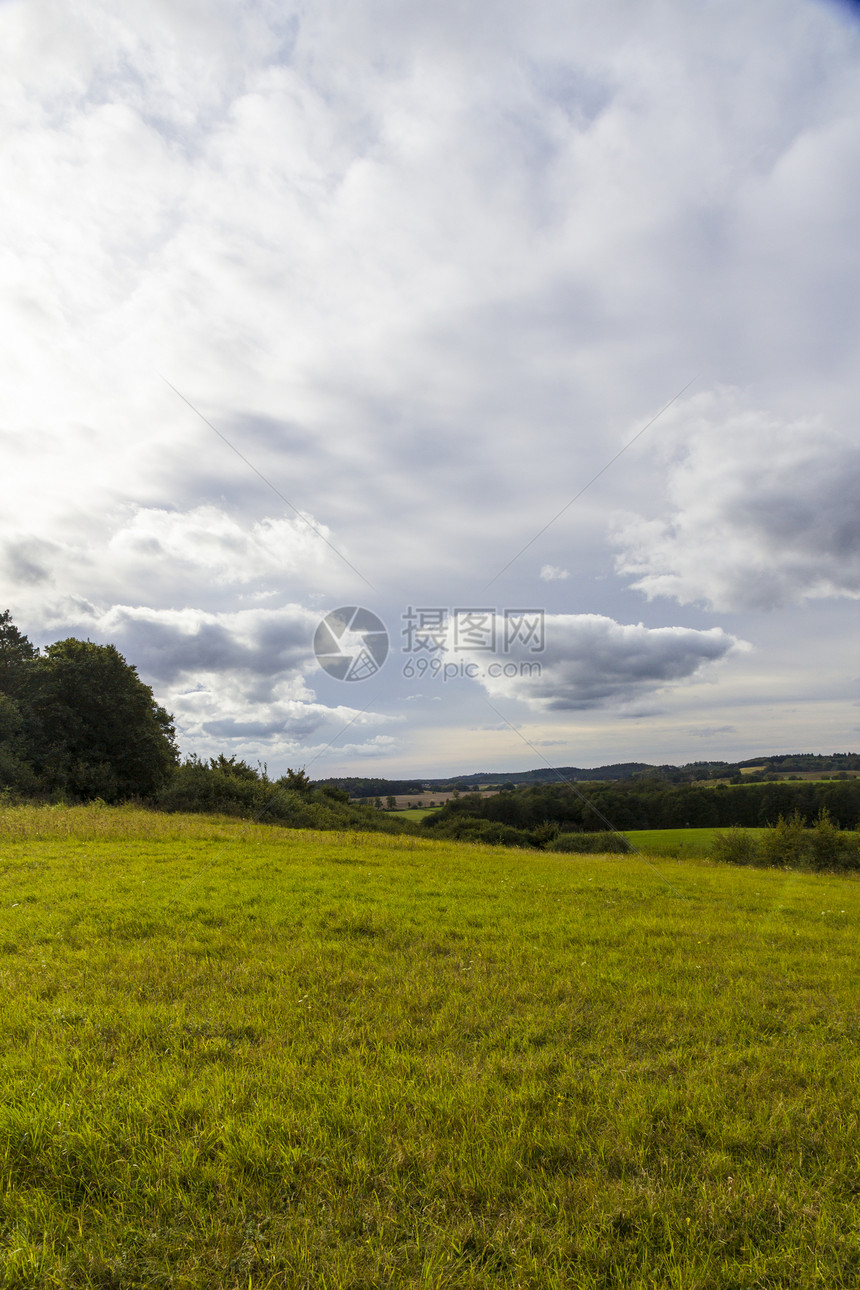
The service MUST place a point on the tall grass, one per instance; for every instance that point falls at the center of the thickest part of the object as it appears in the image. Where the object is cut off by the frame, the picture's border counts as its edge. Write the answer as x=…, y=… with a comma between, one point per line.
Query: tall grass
x=237, y=1056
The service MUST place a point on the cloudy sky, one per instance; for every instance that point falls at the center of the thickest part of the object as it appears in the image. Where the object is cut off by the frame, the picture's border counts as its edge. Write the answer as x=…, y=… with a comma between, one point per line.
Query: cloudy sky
x=319, y=305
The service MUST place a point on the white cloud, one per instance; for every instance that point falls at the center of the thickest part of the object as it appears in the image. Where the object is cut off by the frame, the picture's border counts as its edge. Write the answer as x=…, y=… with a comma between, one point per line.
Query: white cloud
x=206, y=555
x=762, y=513
x=209, y=543
x=428, y=268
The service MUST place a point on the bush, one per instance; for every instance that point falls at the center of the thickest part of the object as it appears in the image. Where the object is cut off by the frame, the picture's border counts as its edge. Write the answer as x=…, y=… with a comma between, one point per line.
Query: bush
x=212, y=787
x=737, y=846
x=467, y=828
x=830, y=848
x=227, y=786
x=786, y=845
x=790, y=845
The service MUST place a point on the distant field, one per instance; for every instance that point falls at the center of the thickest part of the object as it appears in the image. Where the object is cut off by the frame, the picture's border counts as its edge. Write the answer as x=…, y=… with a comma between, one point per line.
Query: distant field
x=238, y=1056
x=406, y=800
x=689, y=843
x=813, y=776
x=792, y=777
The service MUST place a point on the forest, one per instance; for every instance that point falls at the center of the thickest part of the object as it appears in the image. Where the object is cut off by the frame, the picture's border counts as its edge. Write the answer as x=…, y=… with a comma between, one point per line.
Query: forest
x=536, y=814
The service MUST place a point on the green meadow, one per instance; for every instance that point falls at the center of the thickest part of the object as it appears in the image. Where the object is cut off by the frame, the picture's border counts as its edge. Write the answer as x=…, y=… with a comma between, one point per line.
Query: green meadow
x=240, y=1056
x=678, y=843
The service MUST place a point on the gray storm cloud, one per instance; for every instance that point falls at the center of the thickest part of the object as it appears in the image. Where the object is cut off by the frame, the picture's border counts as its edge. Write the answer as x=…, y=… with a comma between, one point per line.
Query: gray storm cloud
x=171, y=644
x=591, y=661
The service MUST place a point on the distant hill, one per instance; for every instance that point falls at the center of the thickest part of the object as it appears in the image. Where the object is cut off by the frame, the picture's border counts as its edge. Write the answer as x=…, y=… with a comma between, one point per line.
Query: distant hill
x=778, y=765
x=548, y=775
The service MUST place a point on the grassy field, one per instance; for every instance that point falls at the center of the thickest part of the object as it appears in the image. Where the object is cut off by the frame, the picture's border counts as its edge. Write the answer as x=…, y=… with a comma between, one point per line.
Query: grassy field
x=677, y=843
x=239, y=1056
x=685, y=844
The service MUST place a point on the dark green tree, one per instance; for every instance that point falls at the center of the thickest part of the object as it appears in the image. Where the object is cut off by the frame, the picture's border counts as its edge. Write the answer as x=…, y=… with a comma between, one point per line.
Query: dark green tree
x=16, y=772
x=17, y=659
x=236, y=768
x=16, y=651
x=95, y=729
x=296, y=781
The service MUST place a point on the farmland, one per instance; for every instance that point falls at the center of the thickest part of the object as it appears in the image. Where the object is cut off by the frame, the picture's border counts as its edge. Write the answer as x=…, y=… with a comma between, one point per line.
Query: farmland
x=244, y=1056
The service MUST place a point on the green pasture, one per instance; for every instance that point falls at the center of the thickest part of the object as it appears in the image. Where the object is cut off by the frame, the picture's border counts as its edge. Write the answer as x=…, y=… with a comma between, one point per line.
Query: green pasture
x=245, y=1057
x=683, y=843
x=677, y=843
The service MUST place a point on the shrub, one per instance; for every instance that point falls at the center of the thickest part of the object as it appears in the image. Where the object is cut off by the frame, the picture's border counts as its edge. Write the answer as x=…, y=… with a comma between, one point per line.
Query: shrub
x=830, y=848
x=737, y=846
x=790, y=845
x=786, y=845
x=216, y=787
x=226, y=786
x=466, y=828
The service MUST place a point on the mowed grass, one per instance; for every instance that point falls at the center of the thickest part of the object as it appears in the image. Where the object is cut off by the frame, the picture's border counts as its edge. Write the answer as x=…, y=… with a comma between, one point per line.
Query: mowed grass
x=247, y=1057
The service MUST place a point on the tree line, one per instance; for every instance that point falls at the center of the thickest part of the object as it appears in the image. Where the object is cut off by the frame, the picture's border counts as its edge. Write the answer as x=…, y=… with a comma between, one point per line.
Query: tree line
x=535, y=814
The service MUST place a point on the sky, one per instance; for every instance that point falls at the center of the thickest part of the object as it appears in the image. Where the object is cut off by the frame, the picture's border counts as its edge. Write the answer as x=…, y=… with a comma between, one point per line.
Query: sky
x=522, y=340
